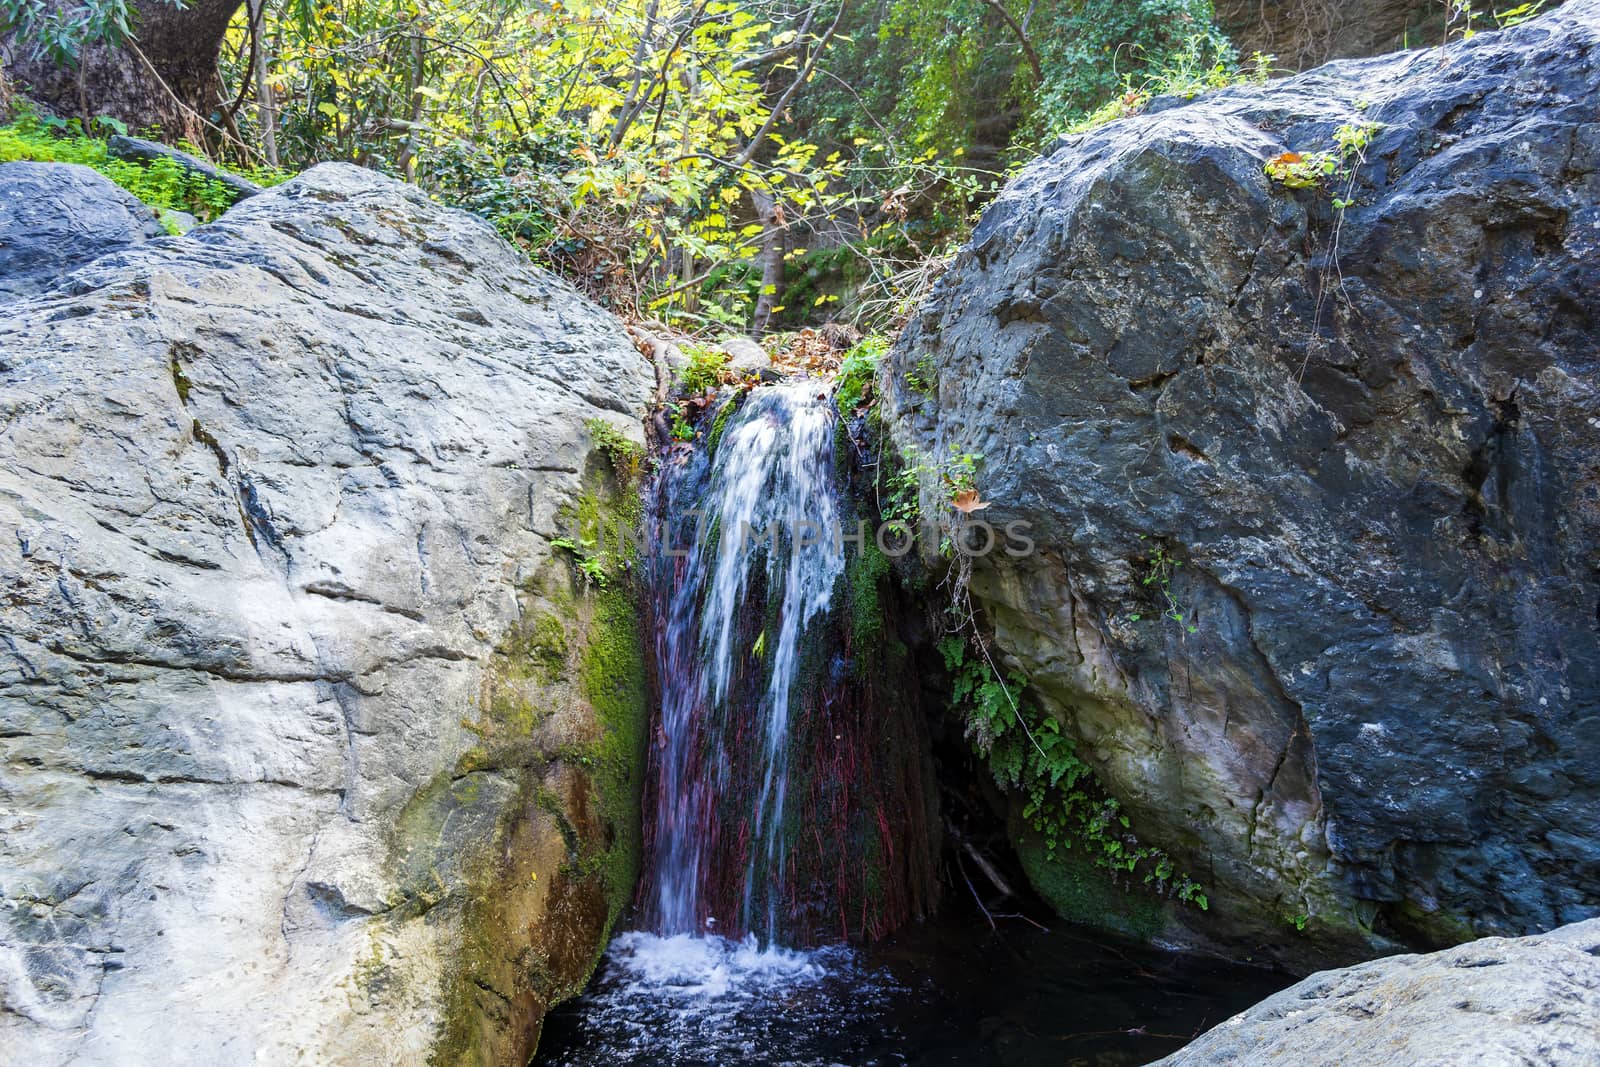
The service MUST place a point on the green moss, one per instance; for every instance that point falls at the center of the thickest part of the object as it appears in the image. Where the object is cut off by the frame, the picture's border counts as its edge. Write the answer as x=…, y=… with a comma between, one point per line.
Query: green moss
x=612, y=678
x=1082, y=892
x=719, y=421
x=1436, y=929
x=180, y=380
x=864, y=574
x=579, y=649
x=626, y=457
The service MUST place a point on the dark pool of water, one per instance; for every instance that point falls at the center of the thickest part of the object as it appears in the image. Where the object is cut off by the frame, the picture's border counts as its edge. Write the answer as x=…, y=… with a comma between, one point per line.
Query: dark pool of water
x=948, y=992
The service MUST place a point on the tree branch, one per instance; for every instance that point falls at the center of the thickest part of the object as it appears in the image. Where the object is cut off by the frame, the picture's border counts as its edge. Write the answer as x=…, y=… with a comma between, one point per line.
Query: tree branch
x=1022, y=38
x=794, y=87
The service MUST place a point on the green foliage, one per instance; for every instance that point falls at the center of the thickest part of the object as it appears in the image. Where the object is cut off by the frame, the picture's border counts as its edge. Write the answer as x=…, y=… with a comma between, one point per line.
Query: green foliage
x=680, y=426
x=857, y=371
x=1159, y=568
x=923, y=377
x=903, y=499
x=61, y=32
x=1064, y=802
x=1202, y=64
x=960, y=473
x=1308, y=170
x=623, y=142
x=1079, y=891
x=162, y=183
x=590, y=565
x=1102, y=51
x=957, y=477
x=704, y=371
x=1464, y=21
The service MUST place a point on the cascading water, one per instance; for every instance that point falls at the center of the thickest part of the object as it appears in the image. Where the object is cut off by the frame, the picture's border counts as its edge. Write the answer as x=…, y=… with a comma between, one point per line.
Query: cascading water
x=789, y=804
x=771, y=503
x=787, y=797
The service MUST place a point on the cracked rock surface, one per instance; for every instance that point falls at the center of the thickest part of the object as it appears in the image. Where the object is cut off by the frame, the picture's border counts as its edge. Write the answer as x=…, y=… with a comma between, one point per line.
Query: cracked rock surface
x=1498, y=1002
x=271, y=496
x=1367, y=443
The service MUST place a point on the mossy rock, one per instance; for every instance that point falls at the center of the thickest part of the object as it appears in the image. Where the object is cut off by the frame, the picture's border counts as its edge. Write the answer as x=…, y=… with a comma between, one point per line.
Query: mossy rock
x=552, y=792
x=1080, y=891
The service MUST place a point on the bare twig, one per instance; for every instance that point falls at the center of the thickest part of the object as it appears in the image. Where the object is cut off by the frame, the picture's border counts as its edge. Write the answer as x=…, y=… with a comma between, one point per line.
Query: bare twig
x=1022, y=38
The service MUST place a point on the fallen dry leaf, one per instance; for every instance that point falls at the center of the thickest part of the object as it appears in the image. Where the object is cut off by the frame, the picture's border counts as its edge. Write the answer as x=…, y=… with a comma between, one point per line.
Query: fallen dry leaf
x=967, y=502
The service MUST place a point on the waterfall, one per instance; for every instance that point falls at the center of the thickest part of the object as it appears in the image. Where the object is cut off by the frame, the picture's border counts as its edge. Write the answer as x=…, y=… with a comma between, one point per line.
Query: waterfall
x=771, y=809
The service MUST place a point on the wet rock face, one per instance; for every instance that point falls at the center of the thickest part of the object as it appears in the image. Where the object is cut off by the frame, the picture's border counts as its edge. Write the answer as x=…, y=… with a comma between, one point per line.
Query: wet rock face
x=57, y=216
x=1495, y=1001
x=1361, y=450
x=300, y=736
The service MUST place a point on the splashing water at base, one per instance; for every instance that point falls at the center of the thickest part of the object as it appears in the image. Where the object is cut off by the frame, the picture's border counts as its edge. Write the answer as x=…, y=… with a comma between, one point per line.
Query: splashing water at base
x=941, y=994
x=749, y=745
x=696, y=999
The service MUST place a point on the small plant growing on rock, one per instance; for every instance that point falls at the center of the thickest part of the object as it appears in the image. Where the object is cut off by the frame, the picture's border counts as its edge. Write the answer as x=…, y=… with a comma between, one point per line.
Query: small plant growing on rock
x=625, y=456
x=1193, y=70
x=923, y=378
x=1065, y=802
x=1310, y=170
x=681, y=428
x=705, y=370
x=1158, y=573
x=903, y=504
x=593, y=570
x=857, y=371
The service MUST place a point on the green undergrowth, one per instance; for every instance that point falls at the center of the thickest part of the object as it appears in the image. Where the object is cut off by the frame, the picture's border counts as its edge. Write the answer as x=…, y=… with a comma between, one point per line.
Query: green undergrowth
x=1201, y=66
x=1063, y=802
x=163, y=184
x=857, y=372
x=704, y=370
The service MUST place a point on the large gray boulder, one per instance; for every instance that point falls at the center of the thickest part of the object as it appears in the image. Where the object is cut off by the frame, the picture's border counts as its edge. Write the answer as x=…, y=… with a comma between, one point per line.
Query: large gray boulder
x=1499, y=1002
x=310, y=751
x=1360, y=448
x=55, y=217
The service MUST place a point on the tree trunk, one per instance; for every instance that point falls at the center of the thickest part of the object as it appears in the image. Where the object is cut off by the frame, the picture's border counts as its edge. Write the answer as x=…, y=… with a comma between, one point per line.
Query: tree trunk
x=774, y=244
x=266, y=106
x=166, y=77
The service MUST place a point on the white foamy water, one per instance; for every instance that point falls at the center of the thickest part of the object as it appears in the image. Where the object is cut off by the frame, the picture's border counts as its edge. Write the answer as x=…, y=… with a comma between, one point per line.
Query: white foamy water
x=691, y=1000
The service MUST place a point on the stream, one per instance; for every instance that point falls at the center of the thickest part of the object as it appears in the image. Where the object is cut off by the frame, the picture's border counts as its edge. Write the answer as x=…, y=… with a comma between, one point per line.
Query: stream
x=946, y=992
